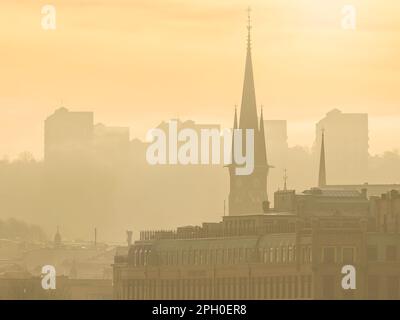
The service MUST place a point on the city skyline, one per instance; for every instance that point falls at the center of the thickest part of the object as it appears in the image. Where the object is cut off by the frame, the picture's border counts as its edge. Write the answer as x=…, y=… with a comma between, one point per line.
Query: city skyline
x=357, y=73
x=227, y=204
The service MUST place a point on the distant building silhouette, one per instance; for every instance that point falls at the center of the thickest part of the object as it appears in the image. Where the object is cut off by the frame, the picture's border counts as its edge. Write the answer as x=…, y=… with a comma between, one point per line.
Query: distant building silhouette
x=111, y=144
x=72, y=136
x=188, y=124
x=68, y=136
x=57, y=238
x=248, y=193
x=366, y=188
x=346, y=144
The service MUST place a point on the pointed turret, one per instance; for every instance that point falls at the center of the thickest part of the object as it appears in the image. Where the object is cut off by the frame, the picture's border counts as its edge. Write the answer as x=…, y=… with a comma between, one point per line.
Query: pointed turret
x=57, y=238
x=262, y=149
x=322, y=167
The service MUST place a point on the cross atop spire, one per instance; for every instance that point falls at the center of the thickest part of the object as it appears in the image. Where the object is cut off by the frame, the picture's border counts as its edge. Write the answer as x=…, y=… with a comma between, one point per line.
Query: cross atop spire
x=248, y=27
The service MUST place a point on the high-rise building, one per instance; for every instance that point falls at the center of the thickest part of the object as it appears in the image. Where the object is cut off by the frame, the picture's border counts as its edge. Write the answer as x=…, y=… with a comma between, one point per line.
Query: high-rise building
x=249, y=192
x=346, y=146
x=68, y=136
x=111, y=144
x=324, y=183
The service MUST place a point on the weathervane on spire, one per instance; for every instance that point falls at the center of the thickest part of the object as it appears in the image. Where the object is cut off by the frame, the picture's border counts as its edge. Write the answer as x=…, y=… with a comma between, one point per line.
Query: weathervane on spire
x=249, y=18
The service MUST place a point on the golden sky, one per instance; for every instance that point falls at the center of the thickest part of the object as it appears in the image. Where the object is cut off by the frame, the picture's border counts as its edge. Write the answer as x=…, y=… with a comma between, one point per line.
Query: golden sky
x=135, y=63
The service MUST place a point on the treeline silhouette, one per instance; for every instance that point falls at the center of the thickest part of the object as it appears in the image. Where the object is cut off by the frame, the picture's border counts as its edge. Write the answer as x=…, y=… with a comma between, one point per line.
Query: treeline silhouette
x=12, y=229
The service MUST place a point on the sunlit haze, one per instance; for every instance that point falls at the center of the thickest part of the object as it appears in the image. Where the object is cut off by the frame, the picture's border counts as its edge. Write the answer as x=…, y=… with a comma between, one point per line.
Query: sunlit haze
x=136, y=63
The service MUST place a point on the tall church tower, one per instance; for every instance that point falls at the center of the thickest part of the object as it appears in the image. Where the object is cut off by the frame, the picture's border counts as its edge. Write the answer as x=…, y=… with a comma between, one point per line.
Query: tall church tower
x=248, y=192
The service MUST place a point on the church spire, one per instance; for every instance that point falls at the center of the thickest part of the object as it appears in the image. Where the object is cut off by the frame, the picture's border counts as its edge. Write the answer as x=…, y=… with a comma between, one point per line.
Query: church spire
x=248, y=110
x=322, y=168
x=247, y=193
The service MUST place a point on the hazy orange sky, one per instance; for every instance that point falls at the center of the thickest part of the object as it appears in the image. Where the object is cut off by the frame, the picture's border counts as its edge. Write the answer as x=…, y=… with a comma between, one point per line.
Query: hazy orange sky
x=135, y=63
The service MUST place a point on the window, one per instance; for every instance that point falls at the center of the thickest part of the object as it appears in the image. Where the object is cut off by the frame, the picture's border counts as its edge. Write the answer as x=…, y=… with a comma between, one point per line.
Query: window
x=309, y=254
x=294, y=253
x=266, y=255
x=304, y=254
x=241, y=255
x=348, y=255
x=372, y=253
x=328, y=255
x=290, y=254
x=235, y=255
x=284, y=254
x=391, y=253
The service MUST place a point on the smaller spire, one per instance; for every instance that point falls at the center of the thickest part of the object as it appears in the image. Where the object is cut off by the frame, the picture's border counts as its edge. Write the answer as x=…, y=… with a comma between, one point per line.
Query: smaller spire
x=262, y=148
x=322, y=165
x=262, y=119
x=235, y=123
x=57, y=238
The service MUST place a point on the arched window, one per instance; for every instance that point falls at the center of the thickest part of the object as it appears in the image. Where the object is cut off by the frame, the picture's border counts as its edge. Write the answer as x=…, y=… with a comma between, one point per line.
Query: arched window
x=266, y=255
x=271, y=255
x=284, y=252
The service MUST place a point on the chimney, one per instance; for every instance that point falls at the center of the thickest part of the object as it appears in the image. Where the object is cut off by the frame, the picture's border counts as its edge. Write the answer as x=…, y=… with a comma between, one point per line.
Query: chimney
x=129, y=237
